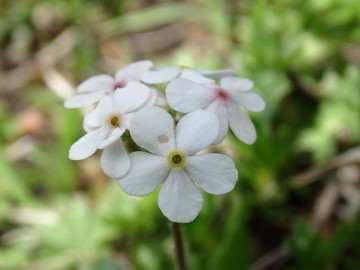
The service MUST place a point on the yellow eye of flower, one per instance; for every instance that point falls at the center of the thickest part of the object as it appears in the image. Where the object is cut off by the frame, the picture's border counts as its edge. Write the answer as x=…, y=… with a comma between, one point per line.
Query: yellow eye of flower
x=176, y=159
x=114, y=120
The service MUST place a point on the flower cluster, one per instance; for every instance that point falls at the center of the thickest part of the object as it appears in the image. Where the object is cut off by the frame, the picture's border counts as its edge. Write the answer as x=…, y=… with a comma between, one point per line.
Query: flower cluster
x=208, y=101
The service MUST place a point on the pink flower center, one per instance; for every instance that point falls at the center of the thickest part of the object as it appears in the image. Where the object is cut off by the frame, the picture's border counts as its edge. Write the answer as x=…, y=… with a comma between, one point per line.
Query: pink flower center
x=120, y=84
x=222, y=94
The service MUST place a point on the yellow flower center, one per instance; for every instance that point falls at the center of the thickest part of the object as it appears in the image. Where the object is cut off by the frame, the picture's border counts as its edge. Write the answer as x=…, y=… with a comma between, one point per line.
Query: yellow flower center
x=176, y=159
x=114, y=120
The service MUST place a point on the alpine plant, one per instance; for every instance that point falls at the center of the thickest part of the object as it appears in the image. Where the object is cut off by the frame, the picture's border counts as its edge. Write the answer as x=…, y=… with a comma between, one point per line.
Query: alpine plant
x=205, y=103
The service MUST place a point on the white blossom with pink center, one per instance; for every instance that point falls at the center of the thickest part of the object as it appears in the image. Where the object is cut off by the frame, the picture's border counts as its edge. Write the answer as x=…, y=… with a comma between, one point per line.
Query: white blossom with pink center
x=225, y=101
x=94, y=88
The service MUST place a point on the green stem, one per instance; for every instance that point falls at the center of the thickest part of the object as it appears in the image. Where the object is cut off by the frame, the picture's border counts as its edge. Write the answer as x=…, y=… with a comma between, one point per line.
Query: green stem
x=179, y=246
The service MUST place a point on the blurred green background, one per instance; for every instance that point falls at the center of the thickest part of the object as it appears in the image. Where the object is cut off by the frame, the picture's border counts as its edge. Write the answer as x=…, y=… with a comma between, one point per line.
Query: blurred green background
x=296, y=204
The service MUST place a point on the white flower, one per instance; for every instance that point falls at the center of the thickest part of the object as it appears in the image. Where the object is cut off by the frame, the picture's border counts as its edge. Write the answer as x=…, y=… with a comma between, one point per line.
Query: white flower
x=167, y=74
x=106, y=123
x=173, y=161
x=93, y=89
x=186, y=96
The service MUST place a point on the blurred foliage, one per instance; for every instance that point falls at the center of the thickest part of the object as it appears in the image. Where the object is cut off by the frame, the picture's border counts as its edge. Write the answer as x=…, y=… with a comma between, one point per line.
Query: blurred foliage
x=304, y=58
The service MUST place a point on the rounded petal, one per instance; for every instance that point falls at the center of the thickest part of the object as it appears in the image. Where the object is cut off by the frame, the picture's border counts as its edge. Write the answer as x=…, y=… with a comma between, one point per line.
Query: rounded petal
x=151, y=99
x=88, y=128
x=146, y=173
x=96, y=83
x=195, y=76
x=250, y=100
x=97, y=116
x=179, y=199
x=160, y=75
x=153, y=129
x=126, y=119
x=134, y=71
x=83, y=100
x=234, y=84
x=87, y=145
x=115, y=161
x=196, y=130
x=214, y=173
x=186, y=96
x=131, y=97
x=241, y=125
x=218, y=74
x=114, y=134
x=220, y=110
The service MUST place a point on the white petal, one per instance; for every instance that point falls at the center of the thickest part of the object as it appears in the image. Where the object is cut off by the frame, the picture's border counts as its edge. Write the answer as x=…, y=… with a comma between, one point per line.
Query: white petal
x=87, y=145
x=160, y=75
x=97, y=116
x=114, y=134
x=196, y=130
x=83, y=100
x=96, y=83
x=161, y=99
x=218, y=74
x=146, y=173
x=195, y=76
x=88, y=128
x=115, y=161
x=234, y=84
x=214, y=173
x=179, y=198
x=126, y=119
x=153, y=129
x=131, y=97
x=151, y=99
x=241, y=125
x=250, y=100
x=134, y=71
x=220, y=110
x=186, y=96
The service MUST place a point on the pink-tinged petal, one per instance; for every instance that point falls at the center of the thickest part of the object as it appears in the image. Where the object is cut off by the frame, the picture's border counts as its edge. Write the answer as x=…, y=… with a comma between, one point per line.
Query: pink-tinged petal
x=186, y=96
x=214, y=173
x=96, y=83
x=234, y=84
x=241, y=125
x=195, y=76
x=179, y=199
x=98, y=115
x=133, y=72
x=114, y=135
x=87, y=145
x=131, y=97
x=160, y=75
x=220, y=110
x=152, y=128
x=115, y=161
x=250, y=100
x=196, y=130
x=83, y=100
x=147, y=172
x=218, y=74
